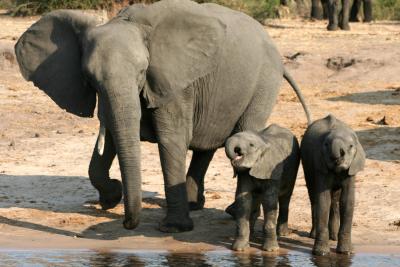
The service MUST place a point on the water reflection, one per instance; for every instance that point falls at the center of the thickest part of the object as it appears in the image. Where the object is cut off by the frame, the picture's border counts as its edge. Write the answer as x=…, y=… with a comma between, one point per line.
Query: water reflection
x=333, y=260
x=214, y=258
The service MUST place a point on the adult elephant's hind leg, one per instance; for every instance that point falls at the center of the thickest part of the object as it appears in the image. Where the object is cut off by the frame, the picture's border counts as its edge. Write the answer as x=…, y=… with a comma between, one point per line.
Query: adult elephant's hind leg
x=195, y=178
x=110, y=190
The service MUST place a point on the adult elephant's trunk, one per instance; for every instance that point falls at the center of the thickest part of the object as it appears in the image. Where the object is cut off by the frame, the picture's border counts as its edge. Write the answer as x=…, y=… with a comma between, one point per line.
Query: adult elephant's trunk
x=123, y=121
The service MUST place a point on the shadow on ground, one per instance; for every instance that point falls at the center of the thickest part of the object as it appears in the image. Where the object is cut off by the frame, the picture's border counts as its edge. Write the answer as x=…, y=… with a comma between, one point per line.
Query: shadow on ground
x=52, y=199
x=381, y=143
x=381, y=97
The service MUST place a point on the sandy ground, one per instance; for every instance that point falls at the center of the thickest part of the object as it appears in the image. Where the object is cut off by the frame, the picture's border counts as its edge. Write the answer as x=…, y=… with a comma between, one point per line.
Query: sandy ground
x=47, y=201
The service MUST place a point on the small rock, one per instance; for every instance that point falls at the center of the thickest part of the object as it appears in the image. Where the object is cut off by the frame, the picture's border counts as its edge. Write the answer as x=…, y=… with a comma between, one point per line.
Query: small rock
x=12, y=144
x=294, y=56
x=370, y=119
x=395, y=223
x=59, y=132
x=80, y=131
x=382, y=121
x=338, y=63
x=37, y=135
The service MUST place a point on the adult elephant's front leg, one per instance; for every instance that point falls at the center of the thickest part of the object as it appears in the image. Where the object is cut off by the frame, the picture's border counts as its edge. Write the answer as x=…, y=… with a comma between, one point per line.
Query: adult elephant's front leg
x=110, y=190
x=195, y=178
x=333, y=15
x=344, y=23
x=172, y=137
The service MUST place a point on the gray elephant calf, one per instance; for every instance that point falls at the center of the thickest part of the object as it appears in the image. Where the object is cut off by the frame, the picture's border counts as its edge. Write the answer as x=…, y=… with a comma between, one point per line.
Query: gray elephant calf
x=331, y=156
x=266, y=164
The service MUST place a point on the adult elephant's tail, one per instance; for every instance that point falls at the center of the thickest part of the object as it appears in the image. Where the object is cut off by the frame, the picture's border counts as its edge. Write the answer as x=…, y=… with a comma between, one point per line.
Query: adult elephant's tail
x=296, y=89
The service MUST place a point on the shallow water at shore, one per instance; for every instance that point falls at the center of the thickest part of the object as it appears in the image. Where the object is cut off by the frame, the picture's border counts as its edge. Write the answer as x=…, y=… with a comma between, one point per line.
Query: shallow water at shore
x=213, y=258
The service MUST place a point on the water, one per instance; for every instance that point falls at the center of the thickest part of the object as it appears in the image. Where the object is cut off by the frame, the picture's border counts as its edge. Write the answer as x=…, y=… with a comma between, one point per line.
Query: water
x=214, y=258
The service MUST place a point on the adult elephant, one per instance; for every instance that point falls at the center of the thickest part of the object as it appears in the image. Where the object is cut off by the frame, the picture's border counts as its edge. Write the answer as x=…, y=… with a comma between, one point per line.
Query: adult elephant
x=367, y=10
x=338, y=19
x=177, y=73
x=319, y=9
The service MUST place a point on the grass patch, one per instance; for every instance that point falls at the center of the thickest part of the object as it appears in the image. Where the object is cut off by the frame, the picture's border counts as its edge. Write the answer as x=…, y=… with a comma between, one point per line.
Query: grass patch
x=386, y=9
x=258, y=9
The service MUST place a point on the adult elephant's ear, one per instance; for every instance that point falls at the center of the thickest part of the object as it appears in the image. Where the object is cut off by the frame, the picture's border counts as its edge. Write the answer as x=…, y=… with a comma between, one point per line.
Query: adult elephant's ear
x=184, y=47
x=49, y=55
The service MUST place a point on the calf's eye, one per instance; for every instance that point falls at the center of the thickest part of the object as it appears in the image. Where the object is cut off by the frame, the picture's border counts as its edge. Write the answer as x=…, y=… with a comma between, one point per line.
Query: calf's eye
x=251, y=144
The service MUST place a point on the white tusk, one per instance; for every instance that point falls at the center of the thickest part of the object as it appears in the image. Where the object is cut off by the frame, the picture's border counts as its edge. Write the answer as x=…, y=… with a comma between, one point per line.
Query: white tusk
x=100, y=139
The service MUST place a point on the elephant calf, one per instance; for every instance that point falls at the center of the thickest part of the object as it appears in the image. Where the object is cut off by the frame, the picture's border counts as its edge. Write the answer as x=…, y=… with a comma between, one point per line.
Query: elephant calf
x=331, y=156
x=266, y=164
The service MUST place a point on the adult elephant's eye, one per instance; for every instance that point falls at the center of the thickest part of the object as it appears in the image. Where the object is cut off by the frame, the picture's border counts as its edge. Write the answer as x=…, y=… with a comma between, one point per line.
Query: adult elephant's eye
x=251, y=144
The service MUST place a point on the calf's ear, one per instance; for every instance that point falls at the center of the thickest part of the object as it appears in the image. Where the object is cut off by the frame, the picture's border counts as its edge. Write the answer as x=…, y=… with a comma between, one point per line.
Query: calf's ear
x=359, y=160
x=266, y=166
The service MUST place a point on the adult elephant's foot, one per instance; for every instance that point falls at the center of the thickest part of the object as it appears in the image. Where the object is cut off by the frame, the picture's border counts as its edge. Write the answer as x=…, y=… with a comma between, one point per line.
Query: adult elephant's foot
x=332, y=27
x=111, y=195
x=131, y=223
x=176, y=225
x=283, y=230
x=354, y=19
x=231, y=210
x=197, y=205
x=344, y=247
x=345, y=27
x=321, y=248
x=270, y=245
x=240, y=244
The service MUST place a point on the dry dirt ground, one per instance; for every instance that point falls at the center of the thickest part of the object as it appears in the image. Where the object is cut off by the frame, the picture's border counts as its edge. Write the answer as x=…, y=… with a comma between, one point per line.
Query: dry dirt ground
x=47, y=201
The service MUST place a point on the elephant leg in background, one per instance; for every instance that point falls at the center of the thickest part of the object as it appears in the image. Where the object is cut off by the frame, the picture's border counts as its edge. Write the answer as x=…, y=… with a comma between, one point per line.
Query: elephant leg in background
x=255, y=211
x=313, y=232
x=243, y=208
x=346, y=216
x=317, y=11
x=344, y=21
x=282, y=228
x=195, y=178
x=270, y=206
x=334, y=219
x=110, y=190
x=367, y=7
x=324, y=4
x=355, y=9
x=321, y=243
x=333, y=15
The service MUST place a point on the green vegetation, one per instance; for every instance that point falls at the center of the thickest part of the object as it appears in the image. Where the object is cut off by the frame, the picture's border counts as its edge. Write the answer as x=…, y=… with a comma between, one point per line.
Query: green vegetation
x=33, y=7
x=386, y=9
x=259, y=9
x=6, y=4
